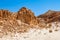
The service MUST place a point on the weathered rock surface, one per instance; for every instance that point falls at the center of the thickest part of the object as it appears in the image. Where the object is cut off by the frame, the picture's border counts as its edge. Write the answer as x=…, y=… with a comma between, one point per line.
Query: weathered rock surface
x=27, y=16
x=20, y=21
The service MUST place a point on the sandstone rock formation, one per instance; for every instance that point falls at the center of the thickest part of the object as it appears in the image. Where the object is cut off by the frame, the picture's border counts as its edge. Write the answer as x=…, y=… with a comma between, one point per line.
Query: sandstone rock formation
x=18, y=22
x=27, y=16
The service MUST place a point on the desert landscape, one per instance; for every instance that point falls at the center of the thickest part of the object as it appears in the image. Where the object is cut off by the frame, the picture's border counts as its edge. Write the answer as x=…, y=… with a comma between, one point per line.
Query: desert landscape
x=24, y=25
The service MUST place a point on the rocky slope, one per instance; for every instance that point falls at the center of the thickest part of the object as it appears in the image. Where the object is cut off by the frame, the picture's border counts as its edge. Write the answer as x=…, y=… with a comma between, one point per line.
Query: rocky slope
x=20, y=21
x=24, y=25
x=51, y=16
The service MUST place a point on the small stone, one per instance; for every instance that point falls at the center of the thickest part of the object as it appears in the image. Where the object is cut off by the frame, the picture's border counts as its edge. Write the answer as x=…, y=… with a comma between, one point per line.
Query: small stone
x=56, y=30
x=50, y=31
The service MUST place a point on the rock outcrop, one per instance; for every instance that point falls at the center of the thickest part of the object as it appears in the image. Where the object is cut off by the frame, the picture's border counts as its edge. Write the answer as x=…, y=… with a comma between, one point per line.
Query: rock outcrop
x=27, y=16
x=16, y=22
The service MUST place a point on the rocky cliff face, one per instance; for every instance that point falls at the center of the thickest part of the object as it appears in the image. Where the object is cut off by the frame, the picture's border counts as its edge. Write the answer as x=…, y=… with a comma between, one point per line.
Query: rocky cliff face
x=27, y=16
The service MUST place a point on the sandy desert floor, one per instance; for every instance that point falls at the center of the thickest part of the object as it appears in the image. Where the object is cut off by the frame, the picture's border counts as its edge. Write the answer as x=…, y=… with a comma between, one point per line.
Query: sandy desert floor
x=34, y=34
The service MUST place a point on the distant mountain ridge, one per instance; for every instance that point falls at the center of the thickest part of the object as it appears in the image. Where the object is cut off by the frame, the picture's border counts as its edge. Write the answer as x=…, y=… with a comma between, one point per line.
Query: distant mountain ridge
x=51, y=16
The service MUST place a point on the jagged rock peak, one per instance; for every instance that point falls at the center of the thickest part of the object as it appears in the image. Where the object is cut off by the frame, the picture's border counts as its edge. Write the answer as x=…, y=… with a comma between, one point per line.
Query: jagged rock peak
x=23, y=9
x=26, y=15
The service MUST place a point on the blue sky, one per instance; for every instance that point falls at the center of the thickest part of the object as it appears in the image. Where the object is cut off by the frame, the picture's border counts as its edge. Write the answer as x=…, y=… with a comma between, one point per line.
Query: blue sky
x=37, y=6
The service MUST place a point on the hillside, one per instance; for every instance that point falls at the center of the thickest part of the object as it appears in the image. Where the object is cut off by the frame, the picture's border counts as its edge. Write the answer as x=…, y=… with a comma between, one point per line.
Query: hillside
x=24, y=25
